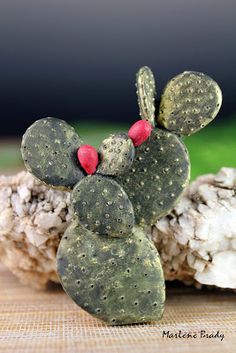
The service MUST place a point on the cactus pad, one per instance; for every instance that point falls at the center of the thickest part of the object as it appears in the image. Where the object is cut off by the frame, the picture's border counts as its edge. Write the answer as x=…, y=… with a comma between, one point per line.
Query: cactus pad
x=158, y=176
x=49, y=149
x=146, y=92
x=189, y=102
x=102, y=206
x=119, y=281
x=116, y=154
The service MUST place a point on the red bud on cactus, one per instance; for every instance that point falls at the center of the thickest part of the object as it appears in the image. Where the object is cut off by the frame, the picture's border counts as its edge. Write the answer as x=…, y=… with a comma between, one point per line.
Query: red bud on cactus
x=139, y=132
x=88, y=158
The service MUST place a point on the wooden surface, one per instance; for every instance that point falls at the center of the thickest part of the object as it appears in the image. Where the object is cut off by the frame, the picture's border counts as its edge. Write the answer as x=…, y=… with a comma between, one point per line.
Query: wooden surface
x=49, y=322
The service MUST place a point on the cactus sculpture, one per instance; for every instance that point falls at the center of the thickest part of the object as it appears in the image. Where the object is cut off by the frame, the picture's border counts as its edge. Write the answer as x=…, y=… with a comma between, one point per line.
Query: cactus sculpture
x=105, y=261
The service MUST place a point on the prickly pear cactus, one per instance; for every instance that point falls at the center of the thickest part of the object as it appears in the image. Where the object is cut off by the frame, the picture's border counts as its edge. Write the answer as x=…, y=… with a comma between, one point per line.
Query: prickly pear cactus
x=106, y=262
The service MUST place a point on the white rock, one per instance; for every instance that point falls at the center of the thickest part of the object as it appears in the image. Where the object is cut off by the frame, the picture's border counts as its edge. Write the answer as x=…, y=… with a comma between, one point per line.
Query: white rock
x=47, y=220
x=24, y=193
x=220, y=272
x=33, y=218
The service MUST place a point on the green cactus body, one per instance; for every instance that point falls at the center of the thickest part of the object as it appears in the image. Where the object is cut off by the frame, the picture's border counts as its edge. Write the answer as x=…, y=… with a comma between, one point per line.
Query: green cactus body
x=49, y=149
x=102, y=206
x=146, y=92
x=189, y=102
x=105, y=261
x=157, y=177
x=117, y=154
x=118, y=280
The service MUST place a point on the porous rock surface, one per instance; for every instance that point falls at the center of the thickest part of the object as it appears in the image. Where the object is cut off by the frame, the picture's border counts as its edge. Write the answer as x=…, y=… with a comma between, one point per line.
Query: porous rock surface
x=33, y=217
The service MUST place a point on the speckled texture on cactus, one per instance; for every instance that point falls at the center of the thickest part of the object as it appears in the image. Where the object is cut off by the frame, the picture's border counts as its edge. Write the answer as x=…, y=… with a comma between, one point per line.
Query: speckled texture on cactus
x=146, y=92
x=116, y=154
x=189, y=102
x=102, y=206
x=157, y=177
x=49, y=148
x=118, y=280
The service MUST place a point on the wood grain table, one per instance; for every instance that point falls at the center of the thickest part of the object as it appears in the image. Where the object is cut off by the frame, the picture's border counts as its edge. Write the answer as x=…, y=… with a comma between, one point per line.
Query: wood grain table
x=49, y=322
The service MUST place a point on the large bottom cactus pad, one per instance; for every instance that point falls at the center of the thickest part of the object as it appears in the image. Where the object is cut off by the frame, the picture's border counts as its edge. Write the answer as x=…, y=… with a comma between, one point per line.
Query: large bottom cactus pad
x=118, y=280
x=158, y=176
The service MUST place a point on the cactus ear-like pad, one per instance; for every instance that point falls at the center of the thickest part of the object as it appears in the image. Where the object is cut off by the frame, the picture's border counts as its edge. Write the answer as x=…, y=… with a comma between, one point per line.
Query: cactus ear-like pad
x=102, y=206
x=189, y=102
x=146, y=92
x=116, y=154
x=158, y=176
x=49, y=149
x=118, y=280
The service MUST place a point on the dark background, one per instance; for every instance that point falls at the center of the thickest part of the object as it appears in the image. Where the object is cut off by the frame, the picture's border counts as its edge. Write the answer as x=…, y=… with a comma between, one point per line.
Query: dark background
x=77, y=60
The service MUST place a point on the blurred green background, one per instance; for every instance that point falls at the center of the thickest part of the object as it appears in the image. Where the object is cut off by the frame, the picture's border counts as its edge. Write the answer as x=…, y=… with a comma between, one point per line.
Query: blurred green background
x=210, y=149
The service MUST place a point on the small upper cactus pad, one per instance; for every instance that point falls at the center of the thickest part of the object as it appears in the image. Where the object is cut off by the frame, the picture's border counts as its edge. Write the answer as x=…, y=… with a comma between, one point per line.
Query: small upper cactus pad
x=189, y=102
x=102, y=206
x=49, y=149
x=146, y=92
x=157, y=177
x=117, y=154
x=118, y=280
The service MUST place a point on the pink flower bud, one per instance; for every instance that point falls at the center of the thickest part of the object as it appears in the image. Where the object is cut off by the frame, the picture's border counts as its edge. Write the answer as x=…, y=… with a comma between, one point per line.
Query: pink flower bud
x=88, y=158
x=139, y=132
